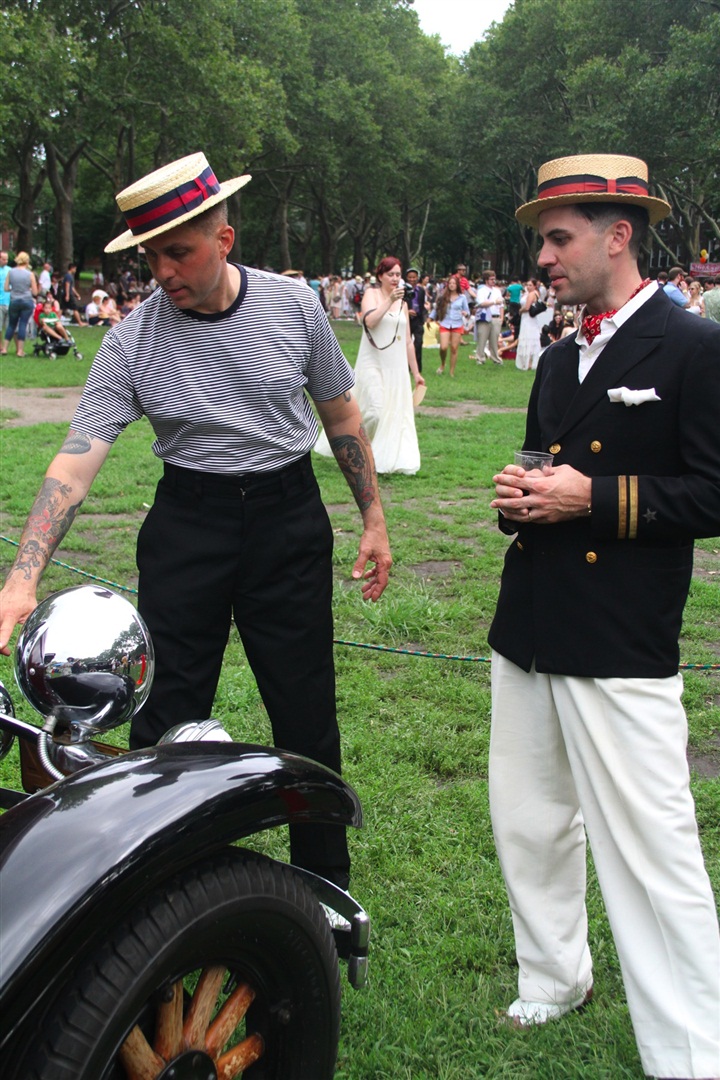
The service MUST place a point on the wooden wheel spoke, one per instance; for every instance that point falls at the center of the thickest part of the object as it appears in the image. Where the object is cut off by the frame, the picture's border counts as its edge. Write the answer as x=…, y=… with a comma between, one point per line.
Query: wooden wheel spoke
x=201, y=1008
x=240, y=1057
x=169, y=1024
x=138, y=1058
x=228, y=1019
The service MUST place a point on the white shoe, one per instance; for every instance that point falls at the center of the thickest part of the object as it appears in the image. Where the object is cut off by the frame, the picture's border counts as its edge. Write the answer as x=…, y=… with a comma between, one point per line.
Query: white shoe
x=524, y=1014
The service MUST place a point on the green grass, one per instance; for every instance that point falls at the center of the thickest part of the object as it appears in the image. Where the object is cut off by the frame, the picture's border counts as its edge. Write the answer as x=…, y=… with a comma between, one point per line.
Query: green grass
x=415, y=732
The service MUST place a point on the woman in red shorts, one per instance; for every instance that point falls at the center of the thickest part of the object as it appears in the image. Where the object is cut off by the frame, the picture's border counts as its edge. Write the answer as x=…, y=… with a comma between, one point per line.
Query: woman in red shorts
x=452, y=307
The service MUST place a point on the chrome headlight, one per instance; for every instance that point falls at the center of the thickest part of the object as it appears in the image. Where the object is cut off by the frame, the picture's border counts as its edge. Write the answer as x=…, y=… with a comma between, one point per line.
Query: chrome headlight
x=85, y=661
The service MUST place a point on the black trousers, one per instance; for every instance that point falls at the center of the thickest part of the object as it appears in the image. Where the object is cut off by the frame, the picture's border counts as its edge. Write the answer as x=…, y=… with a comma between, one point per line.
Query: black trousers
x=257, y=549
x=417, y=331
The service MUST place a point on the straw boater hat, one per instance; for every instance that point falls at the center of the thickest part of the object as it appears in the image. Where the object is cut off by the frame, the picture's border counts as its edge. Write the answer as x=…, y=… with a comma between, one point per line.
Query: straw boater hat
x=168, y=197
x=589, y=178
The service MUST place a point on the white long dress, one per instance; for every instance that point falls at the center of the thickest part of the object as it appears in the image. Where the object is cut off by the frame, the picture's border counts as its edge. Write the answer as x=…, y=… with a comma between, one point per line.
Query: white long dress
x=384, y=395
x=528, y=346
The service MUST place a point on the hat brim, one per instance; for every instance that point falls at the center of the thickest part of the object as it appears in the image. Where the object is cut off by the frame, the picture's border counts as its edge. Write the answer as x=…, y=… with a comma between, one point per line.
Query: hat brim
x=529, y=213
x=130, y=239
x=418, y=394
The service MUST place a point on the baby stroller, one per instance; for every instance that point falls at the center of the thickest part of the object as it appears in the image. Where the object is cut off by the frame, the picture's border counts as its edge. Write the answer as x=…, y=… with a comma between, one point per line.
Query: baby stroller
x=52, y=347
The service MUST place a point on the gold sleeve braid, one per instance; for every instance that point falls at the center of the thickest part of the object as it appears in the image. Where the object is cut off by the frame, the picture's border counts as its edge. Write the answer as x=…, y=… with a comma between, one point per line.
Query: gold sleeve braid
x=627, y=507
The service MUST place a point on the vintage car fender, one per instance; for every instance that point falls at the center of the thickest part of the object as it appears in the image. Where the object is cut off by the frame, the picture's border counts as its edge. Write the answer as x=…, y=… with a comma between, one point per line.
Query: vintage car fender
x=77, y=856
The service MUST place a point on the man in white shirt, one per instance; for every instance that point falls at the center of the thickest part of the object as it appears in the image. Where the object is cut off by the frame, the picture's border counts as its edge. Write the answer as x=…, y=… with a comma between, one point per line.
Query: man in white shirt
x=44, y=279
x=488, y=318
x=588, y=730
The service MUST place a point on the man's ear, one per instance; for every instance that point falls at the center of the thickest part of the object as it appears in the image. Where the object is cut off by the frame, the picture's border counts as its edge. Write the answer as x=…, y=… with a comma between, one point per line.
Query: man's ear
x=620, y=235
x=226, y=239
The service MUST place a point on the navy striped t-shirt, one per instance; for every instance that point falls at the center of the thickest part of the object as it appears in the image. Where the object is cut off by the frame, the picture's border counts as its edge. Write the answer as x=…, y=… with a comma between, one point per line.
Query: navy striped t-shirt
x=224, y=393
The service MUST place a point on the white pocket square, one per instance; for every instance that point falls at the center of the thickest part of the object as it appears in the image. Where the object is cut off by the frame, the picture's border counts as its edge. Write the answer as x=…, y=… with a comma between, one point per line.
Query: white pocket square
x=632, y=397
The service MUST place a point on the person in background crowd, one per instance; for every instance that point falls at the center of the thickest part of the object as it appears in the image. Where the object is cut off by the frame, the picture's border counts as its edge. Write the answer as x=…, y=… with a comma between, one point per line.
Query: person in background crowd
x=45, y=280
x=712, y=301
x=417, y=312
x=131, y=303
x=488, y=313
x=696, y=305
x=92, y=310
x=588, y=733
x=676, y=288
x=514, y=293
x=109, y=313
x=336, y=296
x=465, y=284
x=528, y=348
x=452, y=309
x=22, y=286
x=70, y=298
x=553, y=330
x=4, y=299
x=50, y=323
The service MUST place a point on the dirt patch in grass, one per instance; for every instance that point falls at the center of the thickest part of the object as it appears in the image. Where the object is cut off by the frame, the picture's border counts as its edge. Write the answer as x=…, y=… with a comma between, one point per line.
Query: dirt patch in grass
x=462, y=409
x=706, y=564
x=706, y=763
x=35, y=405
x=433, y=569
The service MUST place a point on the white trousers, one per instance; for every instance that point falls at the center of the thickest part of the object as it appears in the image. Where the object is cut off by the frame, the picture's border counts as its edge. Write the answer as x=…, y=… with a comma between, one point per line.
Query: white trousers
x=607, y=756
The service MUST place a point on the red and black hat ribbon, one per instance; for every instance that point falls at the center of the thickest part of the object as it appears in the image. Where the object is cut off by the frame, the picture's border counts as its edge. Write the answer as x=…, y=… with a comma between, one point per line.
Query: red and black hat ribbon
x=173, y=204
x=592, y=185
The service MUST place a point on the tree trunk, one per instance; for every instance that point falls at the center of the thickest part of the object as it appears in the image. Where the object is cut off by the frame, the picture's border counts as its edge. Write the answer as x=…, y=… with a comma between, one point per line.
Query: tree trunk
x=24, y=211
x=62, y=173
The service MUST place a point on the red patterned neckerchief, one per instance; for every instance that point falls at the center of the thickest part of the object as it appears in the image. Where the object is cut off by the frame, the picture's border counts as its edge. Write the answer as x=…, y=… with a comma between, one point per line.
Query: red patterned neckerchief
x=591, y=323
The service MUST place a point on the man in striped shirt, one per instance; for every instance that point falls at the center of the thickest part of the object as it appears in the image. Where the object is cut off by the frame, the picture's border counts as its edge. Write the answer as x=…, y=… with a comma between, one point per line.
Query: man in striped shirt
x=219, y=359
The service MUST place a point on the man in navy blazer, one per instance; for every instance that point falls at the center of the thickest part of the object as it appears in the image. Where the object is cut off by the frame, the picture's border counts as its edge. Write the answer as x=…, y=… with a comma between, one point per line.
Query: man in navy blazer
x=588, y=731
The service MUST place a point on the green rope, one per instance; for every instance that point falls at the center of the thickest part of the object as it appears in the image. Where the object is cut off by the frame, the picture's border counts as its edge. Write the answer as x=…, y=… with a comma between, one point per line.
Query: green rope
x=340, y=641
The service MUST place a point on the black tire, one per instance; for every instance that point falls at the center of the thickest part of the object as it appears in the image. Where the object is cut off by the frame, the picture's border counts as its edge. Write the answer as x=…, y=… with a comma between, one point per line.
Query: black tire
x=241, y=912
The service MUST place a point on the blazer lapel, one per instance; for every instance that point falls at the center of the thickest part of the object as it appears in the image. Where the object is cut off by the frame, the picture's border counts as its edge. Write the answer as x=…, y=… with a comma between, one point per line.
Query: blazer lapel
x=638, y=337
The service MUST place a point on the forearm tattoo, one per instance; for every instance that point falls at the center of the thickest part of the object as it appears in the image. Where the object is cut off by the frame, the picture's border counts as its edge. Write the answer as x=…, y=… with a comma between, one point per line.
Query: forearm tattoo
x=351, y=455
x=50, y=518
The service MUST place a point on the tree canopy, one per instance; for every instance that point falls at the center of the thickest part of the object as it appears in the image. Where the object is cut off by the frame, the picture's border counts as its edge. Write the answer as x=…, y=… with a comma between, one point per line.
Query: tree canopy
x=363, y=135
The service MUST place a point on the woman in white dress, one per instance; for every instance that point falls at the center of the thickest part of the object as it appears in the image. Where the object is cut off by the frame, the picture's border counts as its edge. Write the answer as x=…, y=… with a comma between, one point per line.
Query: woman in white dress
x=528, y=346
x=382, y=385
x=695, y=296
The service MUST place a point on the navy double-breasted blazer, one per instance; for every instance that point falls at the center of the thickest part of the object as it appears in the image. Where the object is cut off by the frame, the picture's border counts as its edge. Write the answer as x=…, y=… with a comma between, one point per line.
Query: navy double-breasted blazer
x=603, y=596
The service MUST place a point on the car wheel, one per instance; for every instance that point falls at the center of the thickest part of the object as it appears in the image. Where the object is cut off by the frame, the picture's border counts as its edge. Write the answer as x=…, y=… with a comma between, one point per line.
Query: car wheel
x=229, y=970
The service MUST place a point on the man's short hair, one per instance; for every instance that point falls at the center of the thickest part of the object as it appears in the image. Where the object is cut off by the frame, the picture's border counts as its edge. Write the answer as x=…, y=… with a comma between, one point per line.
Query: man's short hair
x=716, y=279
x=601, y=215
x=487, y=274
x=675, y=272
x=210, y=219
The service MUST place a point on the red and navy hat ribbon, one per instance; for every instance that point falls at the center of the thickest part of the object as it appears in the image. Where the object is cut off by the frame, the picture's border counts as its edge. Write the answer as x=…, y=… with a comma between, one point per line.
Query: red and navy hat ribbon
x=592, y=185
x=173, y=204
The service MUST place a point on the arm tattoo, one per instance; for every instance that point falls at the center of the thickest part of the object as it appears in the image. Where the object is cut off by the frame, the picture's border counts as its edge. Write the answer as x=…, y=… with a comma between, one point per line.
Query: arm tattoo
x=352, y=458
x=50, y=518
x=76, y=443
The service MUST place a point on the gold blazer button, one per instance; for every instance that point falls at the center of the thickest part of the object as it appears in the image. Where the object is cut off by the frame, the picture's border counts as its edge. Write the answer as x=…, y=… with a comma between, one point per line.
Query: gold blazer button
x=555, y=448
x=591, y=557
x=596, y=446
